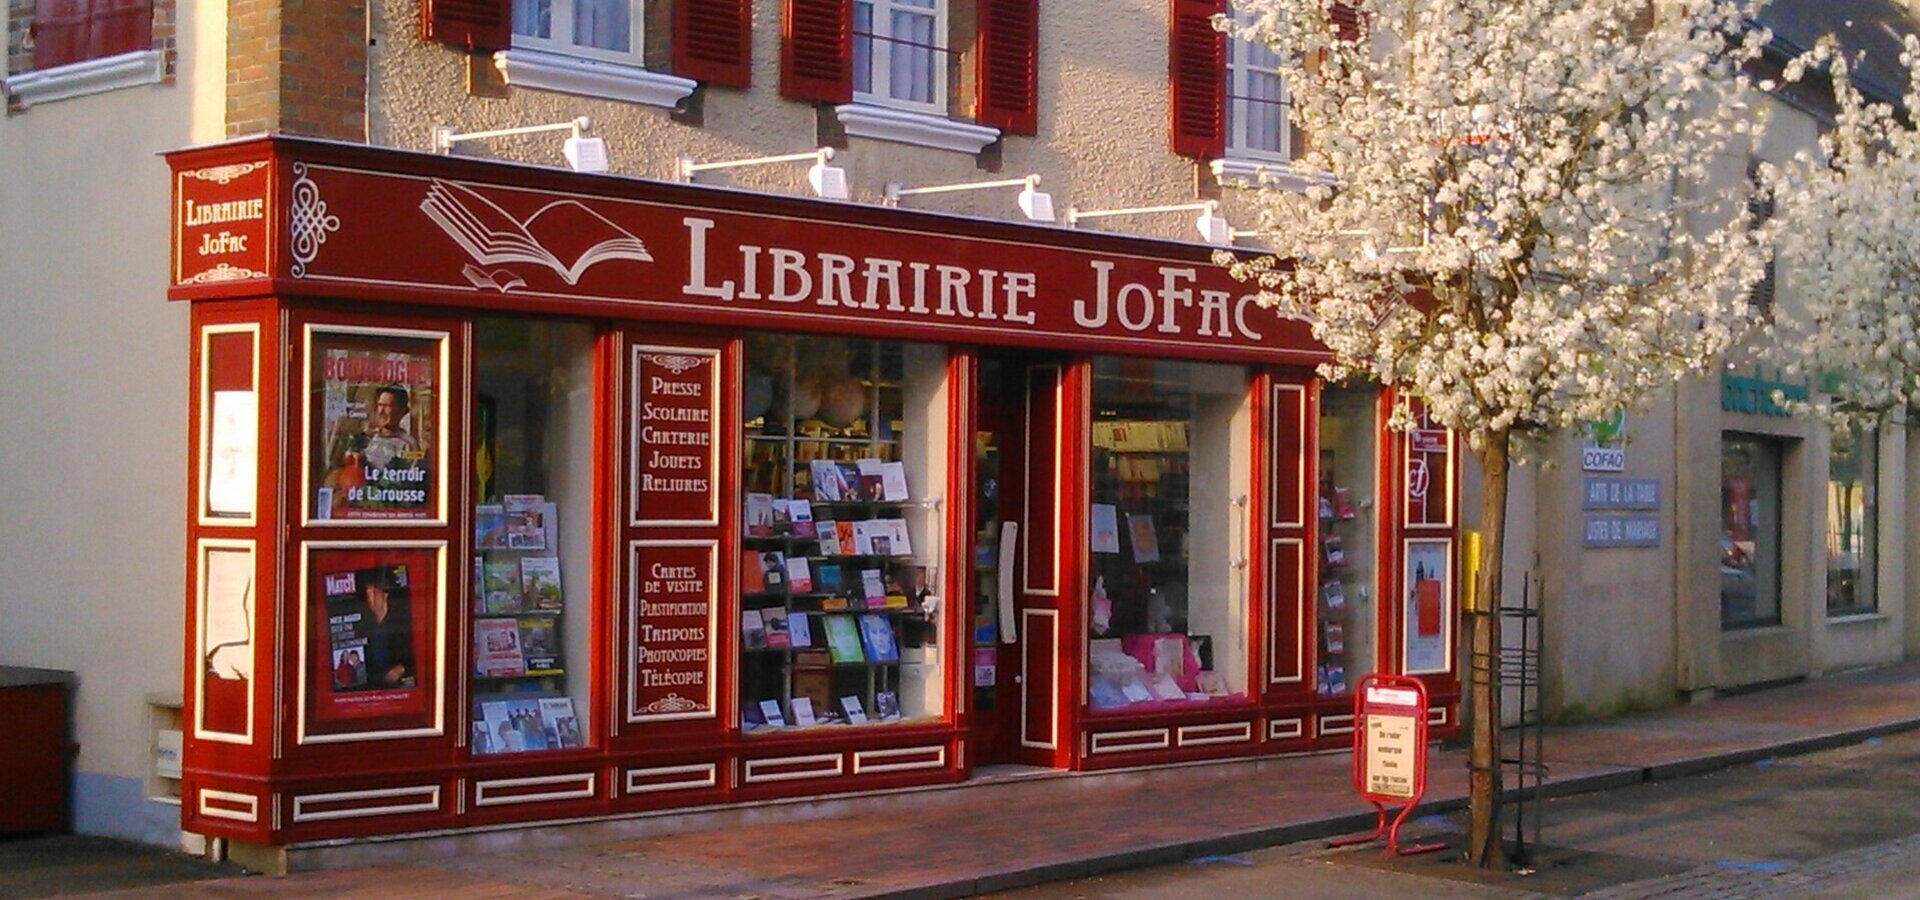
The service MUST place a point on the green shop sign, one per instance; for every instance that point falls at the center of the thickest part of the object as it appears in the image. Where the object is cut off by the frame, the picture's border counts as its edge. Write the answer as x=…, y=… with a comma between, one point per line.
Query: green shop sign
x=1754, y=394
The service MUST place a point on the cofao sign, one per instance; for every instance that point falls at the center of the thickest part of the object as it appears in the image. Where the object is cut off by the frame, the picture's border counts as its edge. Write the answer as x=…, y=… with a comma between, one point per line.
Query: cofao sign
x=487, y=234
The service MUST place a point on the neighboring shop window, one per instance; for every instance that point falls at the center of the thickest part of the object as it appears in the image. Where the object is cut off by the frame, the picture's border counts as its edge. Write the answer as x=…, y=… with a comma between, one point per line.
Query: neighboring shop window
x=845, y=463
x=1348, y=617
x=1749, y=531
x=1853, y=521
x=1170, y=466
x=532, y=528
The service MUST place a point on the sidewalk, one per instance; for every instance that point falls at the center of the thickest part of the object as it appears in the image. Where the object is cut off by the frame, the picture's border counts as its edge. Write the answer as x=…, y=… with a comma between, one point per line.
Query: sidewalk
x=1027, y=831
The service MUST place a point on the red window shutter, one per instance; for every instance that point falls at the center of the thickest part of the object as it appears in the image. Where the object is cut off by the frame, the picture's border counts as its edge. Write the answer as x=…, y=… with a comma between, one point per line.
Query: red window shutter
x=1009, y=49
x=816, y=50
x=1197, y=79
x=119, y=26
x=1347, y=22
x=470, y=24
x=59, y=32
x=710, y=41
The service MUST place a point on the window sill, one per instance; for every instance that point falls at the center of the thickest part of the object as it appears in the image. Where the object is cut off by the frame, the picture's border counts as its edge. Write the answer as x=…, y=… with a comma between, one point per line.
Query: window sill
x=92, y=76
x=1756, y=632
x=588, y=78
x=1240, y=172
x=920, y=129
x=1856, y=618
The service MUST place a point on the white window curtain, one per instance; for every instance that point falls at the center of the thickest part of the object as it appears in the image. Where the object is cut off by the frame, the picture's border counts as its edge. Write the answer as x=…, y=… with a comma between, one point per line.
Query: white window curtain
x=600, y=29
x=899, y=53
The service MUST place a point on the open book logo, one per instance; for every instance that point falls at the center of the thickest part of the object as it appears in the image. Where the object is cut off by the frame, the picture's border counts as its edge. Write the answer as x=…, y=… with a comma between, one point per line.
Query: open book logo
x=564, y=236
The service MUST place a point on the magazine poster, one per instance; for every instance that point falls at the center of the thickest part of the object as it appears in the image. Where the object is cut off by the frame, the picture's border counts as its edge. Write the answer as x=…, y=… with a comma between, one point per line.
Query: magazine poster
x=375, y=427
x=1106, y=528
x=876, y=636
x=843, y=639
x=540, y=581
x=527, y=518
x=561, y=722
x=540, y=643
x=496, y=648
x=1146, y=543
x=517, y=726
x=374, y=633
x=1428, y=604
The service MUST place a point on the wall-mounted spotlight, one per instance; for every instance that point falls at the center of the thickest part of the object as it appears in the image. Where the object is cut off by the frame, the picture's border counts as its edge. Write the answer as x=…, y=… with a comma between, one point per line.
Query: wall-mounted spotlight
x=1034, y=203
x=1213, y=227
x=583, y=154
x=827, y=181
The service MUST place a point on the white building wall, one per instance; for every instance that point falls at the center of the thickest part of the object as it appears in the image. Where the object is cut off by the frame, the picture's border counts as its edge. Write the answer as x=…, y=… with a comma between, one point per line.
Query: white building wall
x=93, y=412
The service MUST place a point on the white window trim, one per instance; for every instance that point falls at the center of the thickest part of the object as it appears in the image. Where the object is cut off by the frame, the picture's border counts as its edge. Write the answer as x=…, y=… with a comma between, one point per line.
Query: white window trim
x=881, y=56
x=920, y=129
x=561, y=42
x=88, y=76
x=569, y=74
x=1239, y=172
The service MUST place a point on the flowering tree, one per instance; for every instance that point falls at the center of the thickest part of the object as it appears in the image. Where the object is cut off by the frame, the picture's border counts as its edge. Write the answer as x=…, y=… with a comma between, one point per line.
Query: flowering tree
x=1846, y=218
x=1514, y=231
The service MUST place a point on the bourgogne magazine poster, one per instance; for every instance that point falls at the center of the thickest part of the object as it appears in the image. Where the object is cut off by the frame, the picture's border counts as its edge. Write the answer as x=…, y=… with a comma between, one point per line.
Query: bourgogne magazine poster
x=376, y=408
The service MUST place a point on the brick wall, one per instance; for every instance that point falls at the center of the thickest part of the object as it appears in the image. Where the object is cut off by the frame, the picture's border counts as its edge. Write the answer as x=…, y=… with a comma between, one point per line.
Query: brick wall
x=19, y=48
x=297, y=67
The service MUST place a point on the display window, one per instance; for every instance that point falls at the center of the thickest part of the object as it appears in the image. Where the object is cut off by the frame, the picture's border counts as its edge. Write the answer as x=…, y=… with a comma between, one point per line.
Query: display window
x=376, y=421
x=372, y=625
x=1853, y=522
x=1749, y=531
x=1349, y=530
x=533, y=430
x=1170, y=463
x=844, y=465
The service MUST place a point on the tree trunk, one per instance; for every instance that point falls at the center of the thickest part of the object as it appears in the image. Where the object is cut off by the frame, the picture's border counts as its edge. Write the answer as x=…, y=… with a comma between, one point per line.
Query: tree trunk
x=1483, y=669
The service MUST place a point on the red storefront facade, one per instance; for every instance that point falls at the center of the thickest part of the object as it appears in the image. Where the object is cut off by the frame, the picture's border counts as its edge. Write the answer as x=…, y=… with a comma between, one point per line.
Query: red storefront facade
x=511, y=492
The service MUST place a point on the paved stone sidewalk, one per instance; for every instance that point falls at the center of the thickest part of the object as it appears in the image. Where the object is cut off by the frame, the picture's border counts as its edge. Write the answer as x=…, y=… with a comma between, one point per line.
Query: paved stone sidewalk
x=955, y=842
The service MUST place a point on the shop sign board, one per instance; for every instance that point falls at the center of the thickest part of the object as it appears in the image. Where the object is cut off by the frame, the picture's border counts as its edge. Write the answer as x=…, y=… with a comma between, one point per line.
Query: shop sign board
x=1620, y=493
x=1604, y=448
x=1629, y=512
x=676, y=434
x=1620, y=530
x=221, y=225
x=481, y=234
x=1390, y=755
x=673, y=623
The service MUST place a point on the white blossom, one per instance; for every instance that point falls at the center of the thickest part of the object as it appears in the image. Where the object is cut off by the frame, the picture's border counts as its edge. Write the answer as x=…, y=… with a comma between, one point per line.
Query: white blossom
x=1847, y=235
x=1517, y=233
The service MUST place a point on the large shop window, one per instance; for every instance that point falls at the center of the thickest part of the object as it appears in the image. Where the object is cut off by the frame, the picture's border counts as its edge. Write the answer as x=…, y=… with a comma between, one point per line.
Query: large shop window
x=1749, y=531
x=1348, y=618
x=1170, y=463
x=845, y=468
x=531, y=568
x=1853, y=522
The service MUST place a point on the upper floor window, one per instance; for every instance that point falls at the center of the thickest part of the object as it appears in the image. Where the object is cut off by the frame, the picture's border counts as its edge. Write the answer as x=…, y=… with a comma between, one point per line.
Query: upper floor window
x=899, y=53
x=71, y=31
x=1256, y=101
x=598, y=29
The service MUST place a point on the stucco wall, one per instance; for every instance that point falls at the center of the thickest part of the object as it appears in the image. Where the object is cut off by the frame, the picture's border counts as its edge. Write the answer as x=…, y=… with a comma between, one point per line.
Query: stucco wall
x=94, y=363
x=1102, y=137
